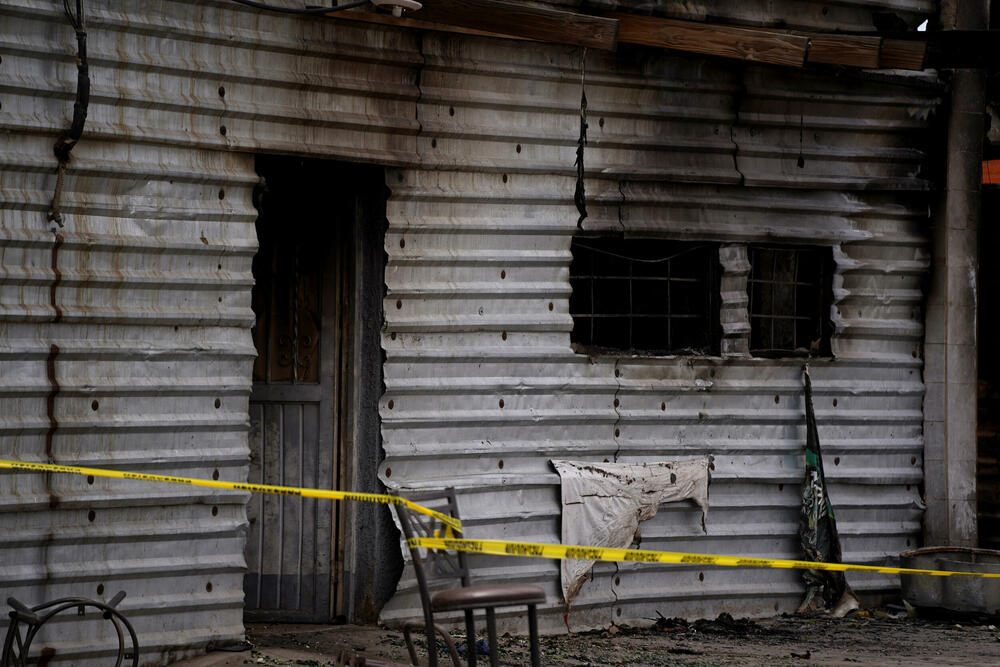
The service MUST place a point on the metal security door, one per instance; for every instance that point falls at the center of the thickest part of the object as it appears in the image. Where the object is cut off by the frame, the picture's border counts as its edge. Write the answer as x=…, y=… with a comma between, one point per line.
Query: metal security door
x=301, y=299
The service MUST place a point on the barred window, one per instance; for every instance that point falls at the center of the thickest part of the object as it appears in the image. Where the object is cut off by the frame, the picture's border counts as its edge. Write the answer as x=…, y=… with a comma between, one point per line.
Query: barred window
x=645, y=296
x=790, y=294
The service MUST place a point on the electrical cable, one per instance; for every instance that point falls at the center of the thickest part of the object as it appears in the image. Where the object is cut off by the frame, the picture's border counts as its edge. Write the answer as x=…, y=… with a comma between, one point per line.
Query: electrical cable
x=306, y=11
x=65, y=143
x=658, y=260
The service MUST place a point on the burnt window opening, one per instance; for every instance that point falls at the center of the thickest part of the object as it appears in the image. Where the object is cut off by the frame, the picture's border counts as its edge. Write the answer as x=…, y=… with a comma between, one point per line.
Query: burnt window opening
x=645, y=296
x=790, y=294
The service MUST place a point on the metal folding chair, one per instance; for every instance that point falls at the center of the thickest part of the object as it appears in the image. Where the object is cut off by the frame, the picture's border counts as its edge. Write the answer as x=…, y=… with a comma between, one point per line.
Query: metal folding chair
x=431, y=566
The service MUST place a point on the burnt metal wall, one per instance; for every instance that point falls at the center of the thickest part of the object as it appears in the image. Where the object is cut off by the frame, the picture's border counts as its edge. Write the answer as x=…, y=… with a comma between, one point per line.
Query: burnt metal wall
x=147, y=296
x=126, y=340
x=483, y=388
x=988, y=432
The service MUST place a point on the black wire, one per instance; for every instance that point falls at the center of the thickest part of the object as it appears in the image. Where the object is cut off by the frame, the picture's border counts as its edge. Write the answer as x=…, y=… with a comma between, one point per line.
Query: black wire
x=76, y=20
x=309, y=11
x=657, y=260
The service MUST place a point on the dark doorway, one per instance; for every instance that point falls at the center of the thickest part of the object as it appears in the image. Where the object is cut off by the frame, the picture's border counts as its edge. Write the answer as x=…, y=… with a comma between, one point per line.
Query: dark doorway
x=988, y=319
x=302, y=430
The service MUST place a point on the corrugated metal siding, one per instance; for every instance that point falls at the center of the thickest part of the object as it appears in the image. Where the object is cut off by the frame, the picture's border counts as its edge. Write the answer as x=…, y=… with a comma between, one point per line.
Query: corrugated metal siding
x=482, y=387
x=481, y=286
x=151, y=353
x=154, y=345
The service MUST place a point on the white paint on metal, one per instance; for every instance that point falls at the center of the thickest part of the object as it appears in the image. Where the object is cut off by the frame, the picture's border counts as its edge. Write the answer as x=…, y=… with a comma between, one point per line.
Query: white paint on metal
x=477, y=311
x=155, y=293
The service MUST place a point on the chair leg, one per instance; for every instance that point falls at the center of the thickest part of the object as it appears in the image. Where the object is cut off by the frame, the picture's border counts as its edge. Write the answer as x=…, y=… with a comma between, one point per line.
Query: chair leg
x=491, y=629
x=536, y=658
x=470, y=637
x=432, y=649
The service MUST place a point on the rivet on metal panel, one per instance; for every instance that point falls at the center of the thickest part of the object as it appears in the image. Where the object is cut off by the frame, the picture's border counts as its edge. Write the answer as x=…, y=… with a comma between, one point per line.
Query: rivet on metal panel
x=218, y=403
x=215, y=511
x=91, y=515
x=518, y=149
x=399, y=304
x=94, y=405
x=392, y=404
x=617, y=432
x=501, y=403
x=388, y=472
x=503, y=336
x=617, y=403
x=208, y=587
x=500, y=464
x=222, y=130
x=215, y=474
x=222, y=91
x=90, y=479
x=836, y=461
x=100, y=589
x=402, y=243
x=503, y=275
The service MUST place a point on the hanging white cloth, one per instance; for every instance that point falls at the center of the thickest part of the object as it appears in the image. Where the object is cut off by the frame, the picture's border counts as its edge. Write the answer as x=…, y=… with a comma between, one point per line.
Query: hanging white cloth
x=603, y=503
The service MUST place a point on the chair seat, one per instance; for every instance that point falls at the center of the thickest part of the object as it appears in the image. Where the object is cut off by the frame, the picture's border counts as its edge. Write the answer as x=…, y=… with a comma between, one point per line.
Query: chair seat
x=480, y=597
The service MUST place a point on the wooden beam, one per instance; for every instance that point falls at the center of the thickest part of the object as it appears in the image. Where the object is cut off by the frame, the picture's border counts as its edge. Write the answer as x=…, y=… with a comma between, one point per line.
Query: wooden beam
x=511, y=20
x=751, y=44
x=902, y=54
x=502, y=17
x=849, y=50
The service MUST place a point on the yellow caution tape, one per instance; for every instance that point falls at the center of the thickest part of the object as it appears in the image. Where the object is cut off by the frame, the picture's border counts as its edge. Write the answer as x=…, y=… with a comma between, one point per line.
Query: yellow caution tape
x=381, y=498
x=560, y=551
x=493, y=547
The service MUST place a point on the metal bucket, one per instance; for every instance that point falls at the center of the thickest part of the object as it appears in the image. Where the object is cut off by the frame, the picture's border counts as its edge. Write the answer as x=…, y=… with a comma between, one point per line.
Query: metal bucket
x=968, y=594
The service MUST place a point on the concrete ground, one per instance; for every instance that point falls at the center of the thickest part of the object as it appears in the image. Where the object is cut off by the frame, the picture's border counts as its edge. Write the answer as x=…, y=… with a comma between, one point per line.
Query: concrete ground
x=864, y=638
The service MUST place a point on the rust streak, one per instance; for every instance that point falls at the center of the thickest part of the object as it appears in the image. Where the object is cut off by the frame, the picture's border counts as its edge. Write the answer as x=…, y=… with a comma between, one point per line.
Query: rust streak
x=50, y=411
x=58, y=277
x=48, y=653
x=50, y=369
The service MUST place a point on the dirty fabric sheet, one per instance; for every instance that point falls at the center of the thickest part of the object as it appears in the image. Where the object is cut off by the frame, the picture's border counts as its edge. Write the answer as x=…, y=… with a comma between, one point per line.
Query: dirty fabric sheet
x=603, y=503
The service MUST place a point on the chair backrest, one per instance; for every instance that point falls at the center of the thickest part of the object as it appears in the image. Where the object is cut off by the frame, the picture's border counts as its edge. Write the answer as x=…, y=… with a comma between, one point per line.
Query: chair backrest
x=430, y=565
